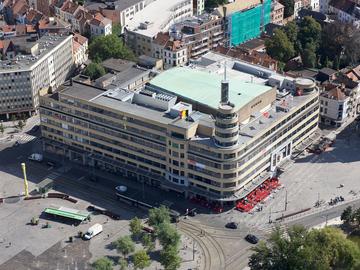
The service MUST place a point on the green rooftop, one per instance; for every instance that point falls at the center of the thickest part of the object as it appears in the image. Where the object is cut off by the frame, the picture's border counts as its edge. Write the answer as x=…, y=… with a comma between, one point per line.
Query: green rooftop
x=205, y=87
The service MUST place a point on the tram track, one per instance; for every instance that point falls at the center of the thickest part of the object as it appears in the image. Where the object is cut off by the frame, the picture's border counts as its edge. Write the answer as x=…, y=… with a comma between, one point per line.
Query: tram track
x=213, y=253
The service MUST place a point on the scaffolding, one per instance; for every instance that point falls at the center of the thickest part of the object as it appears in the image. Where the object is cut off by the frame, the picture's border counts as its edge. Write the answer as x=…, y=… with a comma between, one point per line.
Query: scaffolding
x=248, y=24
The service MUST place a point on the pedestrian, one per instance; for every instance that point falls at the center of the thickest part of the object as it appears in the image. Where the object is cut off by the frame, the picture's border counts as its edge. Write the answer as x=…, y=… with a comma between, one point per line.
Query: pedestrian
x=108, y=235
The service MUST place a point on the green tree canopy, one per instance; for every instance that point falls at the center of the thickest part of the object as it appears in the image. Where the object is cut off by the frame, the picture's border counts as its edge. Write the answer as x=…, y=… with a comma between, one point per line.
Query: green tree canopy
x=279, y=47
x=103, y=264
x=123, y=264
x=288, y=7
x=116, y=29
x=322, y=249
x=168, y=235
x=170, y=259
x=135, y=227
x=308, y=56
x=148, y=241
x=105, y=47
x=159, y=215
x=214, y=3
x=94, y=71
x=141, y=259
x=291, y=30
x=309, y=32
x=125, y=245
x=347, y=215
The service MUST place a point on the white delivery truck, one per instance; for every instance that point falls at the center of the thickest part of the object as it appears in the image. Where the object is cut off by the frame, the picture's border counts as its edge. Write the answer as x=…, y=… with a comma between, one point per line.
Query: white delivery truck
x=93, y=230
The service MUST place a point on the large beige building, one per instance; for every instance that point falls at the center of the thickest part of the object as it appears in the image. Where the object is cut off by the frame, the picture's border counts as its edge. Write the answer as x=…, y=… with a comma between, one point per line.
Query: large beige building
x=29, y=67
x=190, y=131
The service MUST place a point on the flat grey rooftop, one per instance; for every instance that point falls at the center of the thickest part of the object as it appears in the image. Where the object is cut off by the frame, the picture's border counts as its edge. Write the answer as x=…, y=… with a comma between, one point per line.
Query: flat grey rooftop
x=26, y=61
x=81, y=91
x=117, y=65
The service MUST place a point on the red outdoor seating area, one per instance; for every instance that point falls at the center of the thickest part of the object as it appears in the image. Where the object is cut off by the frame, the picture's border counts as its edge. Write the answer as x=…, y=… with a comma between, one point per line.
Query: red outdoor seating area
x=257, y=195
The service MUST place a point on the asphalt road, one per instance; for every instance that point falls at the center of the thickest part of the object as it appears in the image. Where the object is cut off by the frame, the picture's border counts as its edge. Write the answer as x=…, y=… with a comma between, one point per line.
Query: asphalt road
x=321, y=216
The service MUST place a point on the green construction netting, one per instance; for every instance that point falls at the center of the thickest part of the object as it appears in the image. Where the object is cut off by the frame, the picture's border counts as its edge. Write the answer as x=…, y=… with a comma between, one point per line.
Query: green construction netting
x=246, y=25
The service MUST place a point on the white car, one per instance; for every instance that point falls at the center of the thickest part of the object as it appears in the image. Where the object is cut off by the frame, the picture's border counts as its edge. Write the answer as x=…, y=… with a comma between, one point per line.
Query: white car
x=36, y=157
x=121, y=189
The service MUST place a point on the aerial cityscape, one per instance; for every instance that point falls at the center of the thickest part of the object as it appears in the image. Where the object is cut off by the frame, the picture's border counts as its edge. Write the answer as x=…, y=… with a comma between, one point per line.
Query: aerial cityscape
x=180, y=134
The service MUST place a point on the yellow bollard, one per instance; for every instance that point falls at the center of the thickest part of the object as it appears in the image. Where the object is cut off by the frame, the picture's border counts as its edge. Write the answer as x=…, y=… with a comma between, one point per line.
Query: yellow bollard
x=26, y=186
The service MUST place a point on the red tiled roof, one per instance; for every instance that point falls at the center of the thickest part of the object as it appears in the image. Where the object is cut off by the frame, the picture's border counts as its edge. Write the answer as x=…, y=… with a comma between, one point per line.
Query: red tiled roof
x=80, y=39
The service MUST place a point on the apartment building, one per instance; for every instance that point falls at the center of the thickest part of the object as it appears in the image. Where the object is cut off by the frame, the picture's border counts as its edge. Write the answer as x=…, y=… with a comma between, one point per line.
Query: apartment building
x=198, y=6
x=80, y=50
x=277, y=13
x=346, y=11
x=244, y=20
x=120, y=11
x=188, y=39
x=334, y=106
x=143, y=29
x=29, y=67
x=196, y=132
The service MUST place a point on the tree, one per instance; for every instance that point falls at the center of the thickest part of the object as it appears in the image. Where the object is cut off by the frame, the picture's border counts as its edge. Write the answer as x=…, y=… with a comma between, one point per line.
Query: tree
x=308, y=56
x=2, y=128
x=125, y=245
x=20, y=125
x=116, y=29
x=214, y=3
x=326, y=248
x=352, y=50
x=13, y=119
x=105, y=47
x=159, y=215
x=135, y=227
x=147, y=242
x=141, y=259
x=291, y=30
x=103, y=264
x=347, y=215
x=170, y=259
x=94, y=71
x=356, y=216
x=288, y=7
x=309, y=32
x=279, y=46
x=123, y=264
x=167, y=235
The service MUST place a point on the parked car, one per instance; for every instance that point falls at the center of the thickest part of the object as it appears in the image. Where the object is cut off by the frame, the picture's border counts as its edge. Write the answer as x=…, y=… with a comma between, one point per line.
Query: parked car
x=93, y=230
x=231, y=225
x=36, y=157
x=251, y=239
x=121, y=189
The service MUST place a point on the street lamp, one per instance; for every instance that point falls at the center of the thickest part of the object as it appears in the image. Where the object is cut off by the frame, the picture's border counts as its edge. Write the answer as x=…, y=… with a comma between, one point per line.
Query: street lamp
x=26, y=186
x=286, y=200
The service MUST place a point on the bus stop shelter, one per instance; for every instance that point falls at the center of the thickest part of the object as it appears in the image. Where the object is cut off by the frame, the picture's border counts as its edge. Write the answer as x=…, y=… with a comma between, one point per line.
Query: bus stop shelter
x=69, y=213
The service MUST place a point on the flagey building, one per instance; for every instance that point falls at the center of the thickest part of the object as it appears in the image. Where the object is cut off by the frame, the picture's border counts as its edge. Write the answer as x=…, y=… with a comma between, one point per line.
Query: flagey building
x=28, y=67
x=200, y=133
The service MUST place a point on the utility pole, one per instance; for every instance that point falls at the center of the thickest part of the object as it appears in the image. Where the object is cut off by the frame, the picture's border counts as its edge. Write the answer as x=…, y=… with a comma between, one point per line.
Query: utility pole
x=286, y=200
x=193, y=249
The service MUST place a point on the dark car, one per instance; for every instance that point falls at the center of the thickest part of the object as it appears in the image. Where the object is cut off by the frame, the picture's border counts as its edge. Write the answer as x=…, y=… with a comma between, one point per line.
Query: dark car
x=252, y=239
x=231, y=225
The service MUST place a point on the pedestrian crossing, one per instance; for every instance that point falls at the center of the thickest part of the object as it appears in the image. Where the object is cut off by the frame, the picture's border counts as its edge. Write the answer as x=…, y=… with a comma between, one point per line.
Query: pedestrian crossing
x=25, y=138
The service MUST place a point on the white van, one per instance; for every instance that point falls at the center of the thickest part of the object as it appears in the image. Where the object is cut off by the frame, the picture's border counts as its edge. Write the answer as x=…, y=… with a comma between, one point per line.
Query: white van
x=93, y=230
